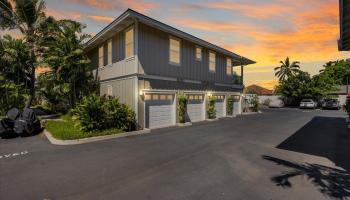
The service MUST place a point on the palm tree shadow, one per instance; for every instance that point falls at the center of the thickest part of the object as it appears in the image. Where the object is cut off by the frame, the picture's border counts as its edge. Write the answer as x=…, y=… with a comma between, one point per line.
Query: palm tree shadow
x=334, y=183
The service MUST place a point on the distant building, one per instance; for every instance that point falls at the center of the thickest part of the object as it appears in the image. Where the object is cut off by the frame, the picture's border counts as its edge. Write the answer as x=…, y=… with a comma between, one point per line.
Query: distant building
x=255, y=89
x=344, y=18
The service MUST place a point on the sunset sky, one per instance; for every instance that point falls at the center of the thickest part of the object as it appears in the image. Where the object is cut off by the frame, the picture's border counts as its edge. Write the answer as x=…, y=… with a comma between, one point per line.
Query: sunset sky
x=266, y=31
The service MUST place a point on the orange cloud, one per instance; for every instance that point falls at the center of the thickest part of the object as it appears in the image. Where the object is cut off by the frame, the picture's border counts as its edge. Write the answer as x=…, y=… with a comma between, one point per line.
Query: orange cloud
x=140, y=6
x=100, y=18
x=63, y=14
x=258, y=11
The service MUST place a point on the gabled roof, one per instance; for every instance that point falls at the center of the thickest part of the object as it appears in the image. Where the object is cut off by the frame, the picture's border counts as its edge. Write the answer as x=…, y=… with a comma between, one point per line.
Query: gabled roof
x=344, y=16
x=255, y=89
x=129, y=16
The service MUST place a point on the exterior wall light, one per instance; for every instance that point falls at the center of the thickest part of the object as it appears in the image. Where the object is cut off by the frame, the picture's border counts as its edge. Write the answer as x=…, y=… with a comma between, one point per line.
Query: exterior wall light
x=141, y=93
x=210, y=94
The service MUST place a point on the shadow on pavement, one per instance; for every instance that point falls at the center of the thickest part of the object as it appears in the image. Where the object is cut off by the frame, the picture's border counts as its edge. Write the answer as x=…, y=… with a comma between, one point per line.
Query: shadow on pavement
x=327, y=137
x=331, y=182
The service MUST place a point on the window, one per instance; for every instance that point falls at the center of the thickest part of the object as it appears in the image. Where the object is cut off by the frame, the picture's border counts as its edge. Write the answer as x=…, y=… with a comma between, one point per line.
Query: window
x=212, y=62
x=109, y=52
x=198, y=53
x=236, y=71
x=109, y=90
x=229, y=66
x=148, y=97
x=100, y=56
x=174, y=51
x=129, y=42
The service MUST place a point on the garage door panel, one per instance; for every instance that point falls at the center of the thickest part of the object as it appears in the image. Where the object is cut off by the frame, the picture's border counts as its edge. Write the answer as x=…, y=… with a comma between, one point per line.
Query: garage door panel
x=220, y=106
x=196, y=109
x=160, y=113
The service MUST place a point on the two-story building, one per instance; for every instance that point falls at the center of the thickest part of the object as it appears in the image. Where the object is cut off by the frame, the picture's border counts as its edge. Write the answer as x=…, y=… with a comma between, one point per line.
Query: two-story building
x=147, y=64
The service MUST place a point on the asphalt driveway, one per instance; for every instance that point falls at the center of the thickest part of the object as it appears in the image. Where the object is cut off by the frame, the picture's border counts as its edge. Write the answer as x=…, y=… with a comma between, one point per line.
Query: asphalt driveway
x=279, y=154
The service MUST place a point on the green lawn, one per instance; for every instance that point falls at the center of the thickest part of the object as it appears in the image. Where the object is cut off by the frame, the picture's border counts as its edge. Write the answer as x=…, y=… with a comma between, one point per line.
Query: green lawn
x=65, y=130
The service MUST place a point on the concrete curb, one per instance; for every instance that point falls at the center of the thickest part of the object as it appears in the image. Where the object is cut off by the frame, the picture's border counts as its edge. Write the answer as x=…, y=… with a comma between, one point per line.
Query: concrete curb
x=92, y=139
x=231, y=116
x=251, y=113
x=184, y=124
x=212, y=120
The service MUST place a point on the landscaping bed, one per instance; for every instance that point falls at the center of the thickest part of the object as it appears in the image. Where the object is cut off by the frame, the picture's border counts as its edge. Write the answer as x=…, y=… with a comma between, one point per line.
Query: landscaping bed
x=65, y=129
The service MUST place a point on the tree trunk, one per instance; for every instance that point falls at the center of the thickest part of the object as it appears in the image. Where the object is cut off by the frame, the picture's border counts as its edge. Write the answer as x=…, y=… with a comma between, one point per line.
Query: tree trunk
x=32, y=77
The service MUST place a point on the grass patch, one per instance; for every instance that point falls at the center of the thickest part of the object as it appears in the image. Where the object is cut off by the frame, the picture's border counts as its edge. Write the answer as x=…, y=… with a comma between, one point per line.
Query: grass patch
x=65, y=130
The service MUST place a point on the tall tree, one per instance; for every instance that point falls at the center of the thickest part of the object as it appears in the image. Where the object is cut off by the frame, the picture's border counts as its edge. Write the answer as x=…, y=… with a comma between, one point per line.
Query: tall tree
x=14, y=77
x=25, y=16
x=287, y=69
x=67, y=60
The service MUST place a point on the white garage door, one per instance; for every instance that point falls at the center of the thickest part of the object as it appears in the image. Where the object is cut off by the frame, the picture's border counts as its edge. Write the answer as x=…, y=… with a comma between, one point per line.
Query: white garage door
x=220, y=106
x=160, y=110
x=195, y=108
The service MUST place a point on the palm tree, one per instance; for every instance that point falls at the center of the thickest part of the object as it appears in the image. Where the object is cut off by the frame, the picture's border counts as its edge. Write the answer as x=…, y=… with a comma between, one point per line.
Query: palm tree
x=67, y=60
x=287, y=69
x=25, y=16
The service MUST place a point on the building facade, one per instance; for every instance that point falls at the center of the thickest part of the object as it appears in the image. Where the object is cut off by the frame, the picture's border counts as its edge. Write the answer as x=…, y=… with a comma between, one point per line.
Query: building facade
x=148, y=64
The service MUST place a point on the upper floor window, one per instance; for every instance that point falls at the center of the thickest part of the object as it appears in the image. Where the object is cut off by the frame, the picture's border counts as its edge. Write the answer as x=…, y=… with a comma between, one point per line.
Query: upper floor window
x=228, y=66
x=174, y=51
x=198, y=53
x=109, y=52
x=236, y=71
x=100, y=56
x=212, y=61
x=129, y=42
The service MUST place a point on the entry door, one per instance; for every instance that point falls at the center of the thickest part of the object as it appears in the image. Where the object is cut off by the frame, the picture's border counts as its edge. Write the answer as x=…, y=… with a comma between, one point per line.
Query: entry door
x=195, y=108
x=160, y=110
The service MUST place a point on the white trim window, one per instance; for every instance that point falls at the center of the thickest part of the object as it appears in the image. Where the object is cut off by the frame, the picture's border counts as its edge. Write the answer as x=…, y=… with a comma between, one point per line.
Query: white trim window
x=212, y=61
x=109, y=54
x=109, y=90
x=228, y=66
x=199, y=53
x=129, y=42
x=100, y=56
x=174, y=51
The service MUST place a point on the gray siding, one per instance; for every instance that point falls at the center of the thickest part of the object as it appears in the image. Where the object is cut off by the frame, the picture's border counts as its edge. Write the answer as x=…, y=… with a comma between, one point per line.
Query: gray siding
x=118, y=50
x=153, y=52
x=124, y=89
x=178, y=85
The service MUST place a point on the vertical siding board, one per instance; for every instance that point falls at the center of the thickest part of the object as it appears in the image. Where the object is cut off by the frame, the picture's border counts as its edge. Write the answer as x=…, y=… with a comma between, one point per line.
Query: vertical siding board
x=154, y=57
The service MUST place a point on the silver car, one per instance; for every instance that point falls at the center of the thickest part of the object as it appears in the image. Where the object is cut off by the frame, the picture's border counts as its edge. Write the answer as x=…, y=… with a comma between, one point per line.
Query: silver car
x=308, y=103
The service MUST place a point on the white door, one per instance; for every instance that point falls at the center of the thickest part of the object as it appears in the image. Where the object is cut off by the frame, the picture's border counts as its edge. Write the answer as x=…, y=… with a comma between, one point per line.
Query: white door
x=220, y=106
x=195, y=108
x=160, y=110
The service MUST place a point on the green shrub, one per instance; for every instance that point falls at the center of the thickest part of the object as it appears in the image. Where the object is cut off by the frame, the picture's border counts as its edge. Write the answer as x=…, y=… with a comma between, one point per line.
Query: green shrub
x=96, y=113
x=255, y=103
x=230, y=101
x=182, y=107
x=119, y=115
x=89, y=114
x=211, y=108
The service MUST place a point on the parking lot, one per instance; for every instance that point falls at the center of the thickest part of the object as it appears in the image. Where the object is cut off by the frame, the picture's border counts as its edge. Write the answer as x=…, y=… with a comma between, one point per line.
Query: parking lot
x=278, y=154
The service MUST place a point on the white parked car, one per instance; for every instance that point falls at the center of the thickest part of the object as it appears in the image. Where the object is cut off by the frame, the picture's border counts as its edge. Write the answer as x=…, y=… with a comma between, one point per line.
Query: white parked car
x=308, y=103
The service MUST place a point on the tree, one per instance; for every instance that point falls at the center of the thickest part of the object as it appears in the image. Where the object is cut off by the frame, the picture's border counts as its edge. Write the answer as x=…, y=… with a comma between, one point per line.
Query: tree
x=25, y=16
x=301, y=86
x=339, y=71
x=14, y=74
x=287, y=69
x=69, y=65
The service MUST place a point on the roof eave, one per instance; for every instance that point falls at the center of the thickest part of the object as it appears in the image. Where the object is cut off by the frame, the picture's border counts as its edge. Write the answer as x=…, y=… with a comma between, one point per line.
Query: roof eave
x=159, y=25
